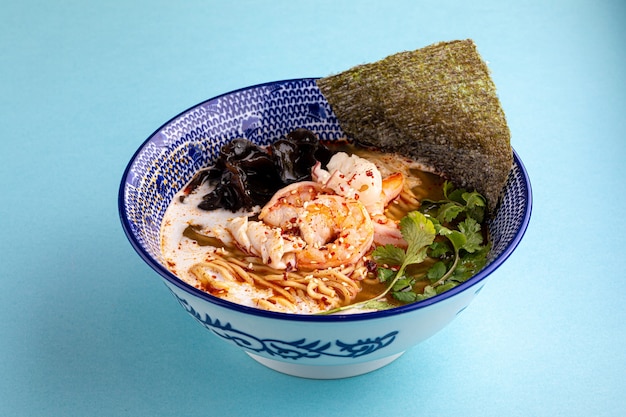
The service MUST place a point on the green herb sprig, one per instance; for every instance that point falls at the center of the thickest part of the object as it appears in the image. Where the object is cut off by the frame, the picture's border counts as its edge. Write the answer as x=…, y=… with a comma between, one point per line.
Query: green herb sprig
x=448, y=233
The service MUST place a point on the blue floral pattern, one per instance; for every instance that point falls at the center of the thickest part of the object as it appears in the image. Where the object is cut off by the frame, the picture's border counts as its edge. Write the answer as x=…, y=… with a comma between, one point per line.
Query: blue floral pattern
x=294, y=350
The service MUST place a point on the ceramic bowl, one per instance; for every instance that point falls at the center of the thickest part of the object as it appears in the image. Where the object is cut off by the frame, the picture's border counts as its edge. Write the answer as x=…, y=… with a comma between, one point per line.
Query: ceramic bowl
x=308, y=346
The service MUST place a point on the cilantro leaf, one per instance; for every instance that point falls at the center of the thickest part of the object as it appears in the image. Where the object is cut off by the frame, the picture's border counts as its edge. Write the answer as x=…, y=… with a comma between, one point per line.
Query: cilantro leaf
x=375, y=305
x=419, y=232
x=385, y=274
x=447, y=187
x=449, y=212
x=405, y=296
x=458, y=253
x=389, y=255
x=470, y=228
x=457, y=196
x=428, y=292
x=437, y=271
x=403, y=284
x=457, y=238
x=470, y=264
x=439, y=250
x=473, y=200
x=445, y=287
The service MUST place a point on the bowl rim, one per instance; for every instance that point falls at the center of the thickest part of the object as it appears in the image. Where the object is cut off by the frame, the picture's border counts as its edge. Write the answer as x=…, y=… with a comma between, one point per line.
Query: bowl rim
x=174, y=280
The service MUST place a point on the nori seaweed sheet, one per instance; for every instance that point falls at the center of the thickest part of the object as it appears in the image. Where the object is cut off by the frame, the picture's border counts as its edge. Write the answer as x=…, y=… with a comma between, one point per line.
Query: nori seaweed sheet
x=437, y=104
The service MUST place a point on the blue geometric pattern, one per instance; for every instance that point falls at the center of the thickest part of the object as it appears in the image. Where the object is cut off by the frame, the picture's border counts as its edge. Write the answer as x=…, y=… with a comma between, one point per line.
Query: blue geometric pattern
x=192, y=140
x=513, y=211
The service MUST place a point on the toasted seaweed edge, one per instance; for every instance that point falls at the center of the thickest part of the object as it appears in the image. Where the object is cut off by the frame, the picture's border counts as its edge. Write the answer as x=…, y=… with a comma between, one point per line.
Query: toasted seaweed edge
x=456, y=124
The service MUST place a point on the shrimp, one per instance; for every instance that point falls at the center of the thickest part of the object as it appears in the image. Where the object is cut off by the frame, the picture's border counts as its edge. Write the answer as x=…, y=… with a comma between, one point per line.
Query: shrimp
x=269, y=243
x=391, y=187
x=338, y=231
x=305, y=227
x=328, y=222
x=386, y=230
x=355, y=177
x=287, y=201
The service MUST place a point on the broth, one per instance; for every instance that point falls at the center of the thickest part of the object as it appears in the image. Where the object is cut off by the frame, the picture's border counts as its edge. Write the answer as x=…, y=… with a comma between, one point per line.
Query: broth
x=188, y=240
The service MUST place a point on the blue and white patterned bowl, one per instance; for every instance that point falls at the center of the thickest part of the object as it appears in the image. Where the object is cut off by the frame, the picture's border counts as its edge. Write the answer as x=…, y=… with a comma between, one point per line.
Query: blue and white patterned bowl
x=302, y=345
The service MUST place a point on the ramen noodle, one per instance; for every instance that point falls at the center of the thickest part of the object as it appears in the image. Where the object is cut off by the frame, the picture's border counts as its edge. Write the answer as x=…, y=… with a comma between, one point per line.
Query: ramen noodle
x=221, y=252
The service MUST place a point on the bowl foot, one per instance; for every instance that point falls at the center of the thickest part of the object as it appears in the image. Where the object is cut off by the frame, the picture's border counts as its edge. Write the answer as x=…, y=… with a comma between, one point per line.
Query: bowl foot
x=324, y=371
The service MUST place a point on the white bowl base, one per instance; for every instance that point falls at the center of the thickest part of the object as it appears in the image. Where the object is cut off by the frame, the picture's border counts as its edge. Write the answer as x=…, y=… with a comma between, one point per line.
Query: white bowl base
x=324, y=371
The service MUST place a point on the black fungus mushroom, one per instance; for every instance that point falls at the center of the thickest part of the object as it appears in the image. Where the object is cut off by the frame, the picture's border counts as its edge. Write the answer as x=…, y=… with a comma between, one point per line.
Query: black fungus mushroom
x=246, y=175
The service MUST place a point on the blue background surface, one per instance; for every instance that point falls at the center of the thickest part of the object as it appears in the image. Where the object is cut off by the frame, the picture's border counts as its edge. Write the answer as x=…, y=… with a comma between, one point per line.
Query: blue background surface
x=87, y=329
